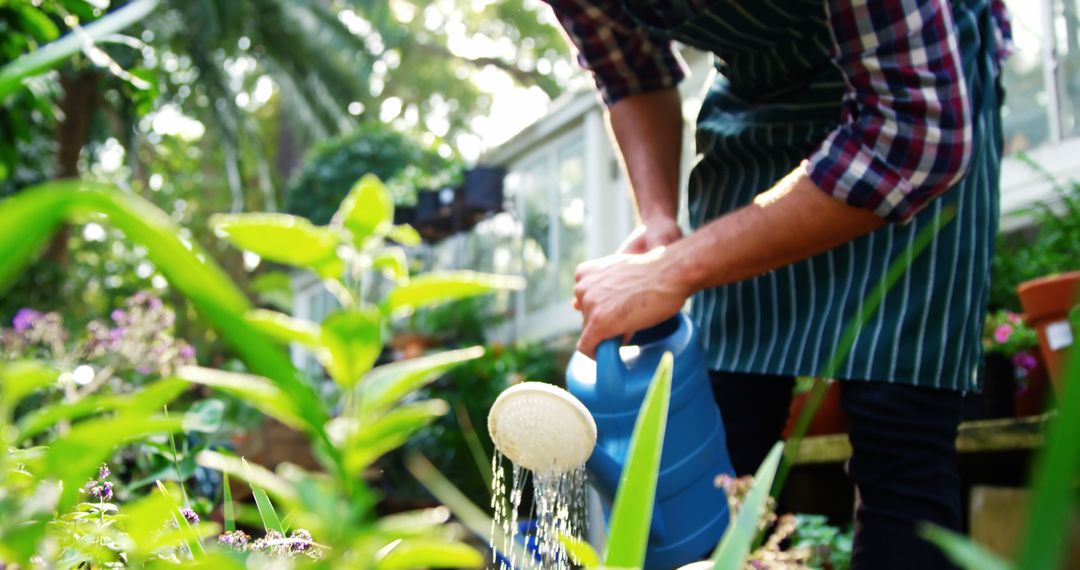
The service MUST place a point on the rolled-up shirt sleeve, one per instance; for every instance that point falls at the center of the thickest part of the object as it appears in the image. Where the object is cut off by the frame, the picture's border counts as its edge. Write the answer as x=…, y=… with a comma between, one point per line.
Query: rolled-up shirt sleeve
x=905, y=127
x=623, y=57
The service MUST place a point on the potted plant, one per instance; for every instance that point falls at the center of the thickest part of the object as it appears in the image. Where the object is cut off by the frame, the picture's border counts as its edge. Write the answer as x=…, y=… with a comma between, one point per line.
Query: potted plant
x=1047, y=302
x=1007, y=335
x=829, y=418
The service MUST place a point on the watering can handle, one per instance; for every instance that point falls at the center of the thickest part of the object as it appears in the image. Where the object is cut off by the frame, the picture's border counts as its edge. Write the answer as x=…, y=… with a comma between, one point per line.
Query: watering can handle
x=610, y=369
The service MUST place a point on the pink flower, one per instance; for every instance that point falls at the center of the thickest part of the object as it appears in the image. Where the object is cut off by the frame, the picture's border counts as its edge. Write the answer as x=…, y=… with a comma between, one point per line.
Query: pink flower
x=1002, y=333
x=1014, y=318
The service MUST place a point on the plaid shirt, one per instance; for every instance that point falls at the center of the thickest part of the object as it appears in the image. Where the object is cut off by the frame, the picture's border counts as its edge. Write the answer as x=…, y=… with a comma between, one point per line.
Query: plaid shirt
x=905, y=125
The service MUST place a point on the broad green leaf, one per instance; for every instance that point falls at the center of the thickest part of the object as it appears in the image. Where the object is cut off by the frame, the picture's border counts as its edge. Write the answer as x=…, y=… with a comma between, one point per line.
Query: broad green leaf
x=228, y=512
x=20, y=379
x=471, y=516
x=145, y=520
x=205, y=416
x=221, y=560
x=739, y=537
x=30, y=217
x=353, y=340
x=632, y=511
x=151, y=397
x=370, y=440
x=393, y=264
x=269, y=516
x=425, y=522
x=386, y=385
x=51, y=55
x=581, y=553
x=256, y=475
x=254, y=390
x=283, y=328
x=961, y=550
x=283, y=238
x=367, y=211
x=404, y=234
x=442, y=287
x=427, y=553
x=73, y=457
x=274, y=288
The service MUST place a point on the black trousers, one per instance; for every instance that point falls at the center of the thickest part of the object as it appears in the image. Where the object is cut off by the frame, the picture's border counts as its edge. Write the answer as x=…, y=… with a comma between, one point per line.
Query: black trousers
x=904, y=462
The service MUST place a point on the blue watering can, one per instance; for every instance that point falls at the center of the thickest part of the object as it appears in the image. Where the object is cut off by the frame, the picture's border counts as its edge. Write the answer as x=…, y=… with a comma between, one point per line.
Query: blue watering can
x=690, y=512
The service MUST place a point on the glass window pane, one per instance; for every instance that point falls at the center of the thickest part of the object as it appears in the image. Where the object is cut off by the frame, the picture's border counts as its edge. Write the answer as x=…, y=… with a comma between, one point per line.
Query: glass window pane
x=1067, y=31
x=1025, y=119
x=536, y=246
x=571, y=216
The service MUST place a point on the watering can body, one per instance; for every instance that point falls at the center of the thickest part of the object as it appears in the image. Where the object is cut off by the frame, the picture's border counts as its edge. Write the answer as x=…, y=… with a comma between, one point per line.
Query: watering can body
x=690, y=513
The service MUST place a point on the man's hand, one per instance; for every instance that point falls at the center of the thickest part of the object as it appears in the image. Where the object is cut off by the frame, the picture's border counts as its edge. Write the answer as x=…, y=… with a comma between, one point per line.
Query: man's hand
x=626, y=292
x=647, y=237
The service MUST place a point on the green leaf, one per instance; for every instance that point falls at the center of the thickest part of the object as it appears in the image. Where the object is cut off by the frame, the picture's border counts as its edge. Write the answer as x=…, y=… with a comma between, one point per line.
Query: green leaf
x=386, y=385
x=393, y=264
x=425, y=522
x=20, y=379
x=367, y=211
x=274, y=288
x=427, y=553
x=283, y=328
x=581, y=553
x=961, y=550
x=739, y=537
x=269, y=516
x=205, y=416
x=353, y=340
x=404, y=234
x=150, y=397
x=40, y=26
x=370, y=440
x=51, y=55
x=188, y=533
x=30, y=217
x=441, y=287
x=228, y=510
x=254, y=390
x=291, y=240
x=632, y=511
x=256, y=475
x=73, y=457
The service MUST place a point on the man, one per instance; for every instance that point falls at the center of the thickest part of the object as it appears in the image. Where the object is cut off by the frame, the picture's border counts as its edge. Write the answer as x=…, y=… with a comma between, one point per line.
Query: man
x=834, y=133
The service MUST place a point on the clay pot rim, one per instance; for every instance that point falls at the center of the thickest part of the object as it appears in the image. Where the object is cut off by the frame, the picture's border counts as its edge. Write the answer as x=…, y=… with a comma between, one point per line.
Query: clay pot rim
x=1041, y=297
x=1047, y=279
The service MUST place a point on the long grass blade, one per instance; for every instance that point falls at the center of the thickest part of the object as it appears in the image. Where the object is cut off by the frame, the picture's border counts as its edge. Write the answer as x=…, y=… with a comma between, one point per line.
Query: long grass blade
x=963, y=551
x=632, y=511
x=739, y=538
x=228, y=510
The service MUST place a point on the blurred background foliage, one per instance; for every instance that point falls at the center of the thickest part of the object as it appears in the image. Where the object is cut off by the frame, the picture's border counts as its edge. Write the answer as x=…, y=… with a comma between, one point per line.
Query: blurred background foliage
x=240, y=105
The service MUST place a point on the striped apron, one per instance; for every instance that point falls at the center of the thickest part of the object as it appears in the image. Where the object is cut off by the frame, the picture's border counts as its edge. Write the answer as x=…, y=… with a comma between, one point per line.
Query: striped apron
x=776, y=97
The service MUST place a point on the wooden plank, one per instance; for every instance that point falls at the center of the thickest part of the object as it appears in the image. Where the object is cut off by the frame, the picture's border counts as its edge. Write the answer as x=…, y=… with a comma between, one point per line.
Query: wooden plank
x=1006, y=434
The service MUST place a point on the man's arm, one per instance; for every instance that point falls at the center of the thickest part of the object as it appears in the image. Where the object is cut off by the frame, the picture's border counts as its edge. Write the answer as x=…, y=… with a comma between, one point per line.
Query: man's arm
x=648, y=130
x=904, y=138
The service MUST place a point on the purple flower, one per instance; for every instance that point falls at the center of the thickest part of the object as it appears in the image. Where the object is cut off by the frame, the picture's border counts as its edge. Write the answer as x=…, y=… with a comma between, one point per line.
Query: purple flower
x=236, y=539
x=119, y=316
x=191, y=516
x=301, y=540
x=103, y=471
x=105, y=492
x=187, y=352
x=1025, y=361
x=1002, y=333
x=24, y=319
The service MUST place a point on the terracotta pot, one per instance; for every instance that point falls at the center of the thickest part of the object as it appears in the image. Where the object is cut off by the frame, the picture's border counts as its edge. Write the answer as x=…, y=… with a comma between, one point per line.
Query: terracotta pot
x=828, y=419
x=1046, y=303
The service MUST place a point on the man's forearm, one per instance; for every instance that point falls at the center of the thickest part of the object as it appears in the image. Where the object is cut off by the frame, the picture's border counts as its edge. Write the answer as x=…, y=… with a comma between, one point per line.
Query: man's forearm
x=648, y=131
x=793, y=221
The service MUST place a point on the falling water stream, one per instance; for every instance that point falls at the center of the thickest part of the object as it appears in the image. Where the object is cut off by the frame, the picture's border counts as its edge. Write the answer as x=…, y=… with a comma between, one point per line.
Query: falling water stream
x=558, y=508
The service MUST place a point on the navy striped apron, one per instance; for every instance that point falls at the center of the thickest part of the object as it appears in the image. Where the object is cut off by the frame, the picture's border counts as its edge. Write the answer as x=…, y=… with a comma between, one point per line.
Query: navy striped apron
x=776, y=97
